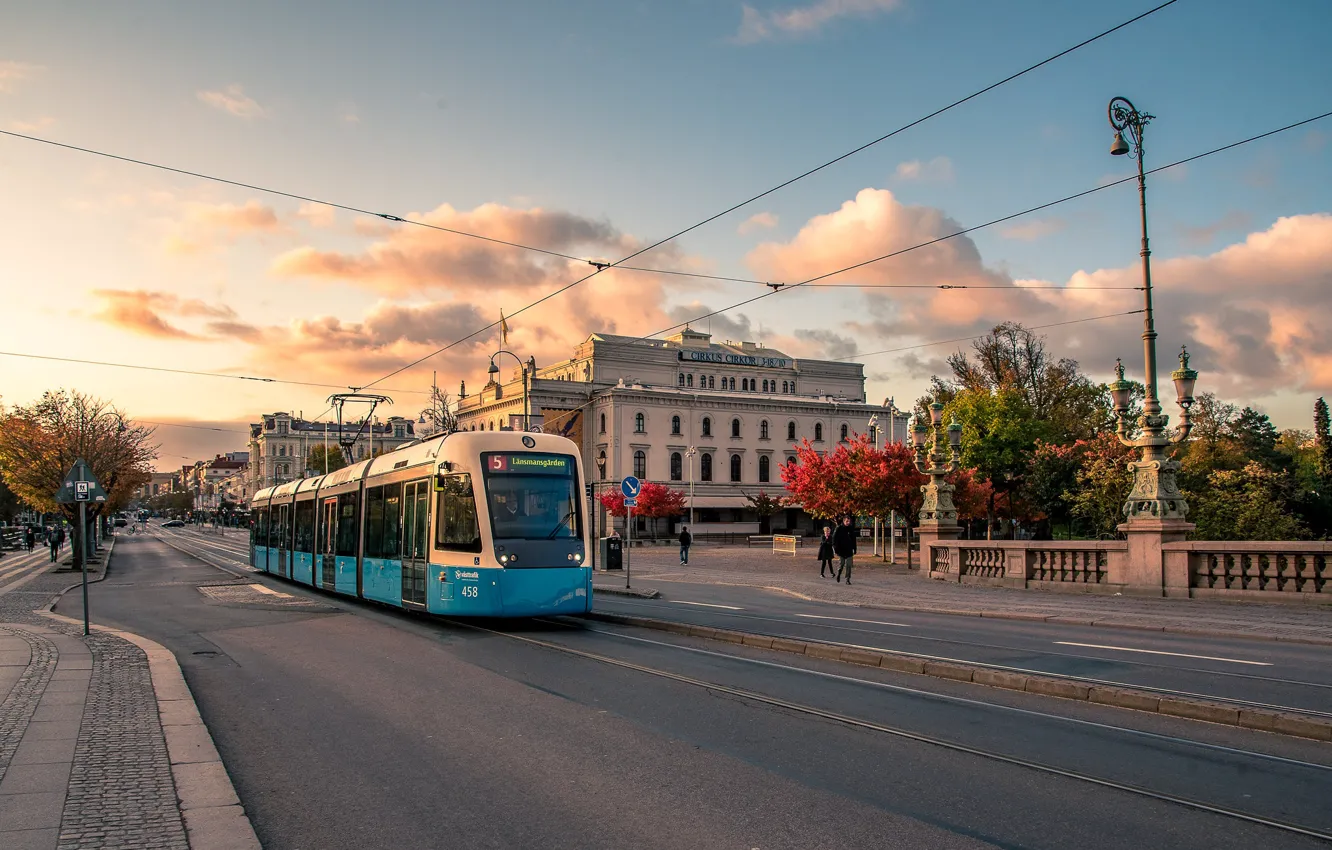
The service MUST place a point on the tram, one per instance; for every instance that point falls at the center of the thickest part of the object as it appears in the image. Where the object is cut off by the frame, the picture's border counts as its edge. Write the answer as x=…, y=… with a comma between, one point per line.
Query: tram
x=483, y=524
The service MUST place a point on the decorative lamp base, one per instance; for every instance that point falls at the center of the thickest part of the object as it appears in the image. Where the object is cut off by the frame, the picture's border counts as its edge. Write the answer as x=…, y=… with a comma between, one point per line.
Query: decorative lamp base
x=1155, y=496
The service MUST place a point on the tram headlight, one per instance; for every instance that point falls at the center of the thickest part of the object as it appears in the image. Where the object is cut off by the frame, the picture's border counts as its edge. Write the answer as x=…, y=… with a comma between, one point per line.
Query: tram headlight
x=504, y=559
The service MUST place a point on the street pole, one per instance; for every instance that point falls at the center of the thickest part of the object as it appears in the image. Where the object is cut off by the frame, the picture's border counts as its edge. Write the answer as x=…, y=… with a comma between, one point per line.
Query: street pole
x=628, y=542
x=83, y=559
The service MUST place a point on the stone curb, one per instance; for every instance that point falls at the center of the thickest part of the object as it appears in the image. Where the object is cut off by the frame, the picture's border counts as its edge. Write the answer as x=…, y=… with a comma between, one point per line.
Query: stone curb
x=1263, y=720
x=626, y=591
x=214, y=818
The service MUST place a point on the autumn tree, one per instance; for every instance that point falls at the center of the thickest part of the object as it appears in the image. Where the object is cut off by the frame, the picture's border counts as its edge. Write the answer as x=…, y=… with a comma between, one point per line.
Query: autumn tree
x=655, y=501
x=39, y=444
x=1253, y=503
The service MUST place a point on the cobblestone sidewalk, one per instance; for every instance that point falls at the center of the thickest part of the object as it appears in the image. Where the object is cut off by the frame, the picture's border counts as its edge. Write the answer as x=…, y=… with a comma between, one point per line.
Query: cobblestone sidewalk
x=101, y=745
x=894, y=587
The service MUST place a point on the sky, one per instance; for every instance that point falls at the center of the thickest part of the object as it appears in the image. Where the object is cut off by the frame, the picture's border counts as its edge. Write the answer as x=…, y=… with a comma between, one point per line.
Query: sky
x=594, y=129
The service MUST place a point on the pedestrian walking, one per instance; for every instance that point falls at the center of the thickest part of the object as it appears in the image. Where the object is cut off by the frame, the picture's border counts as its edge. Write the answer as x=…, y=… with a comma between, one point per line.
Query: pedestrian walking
x=29, y=538
x=686, y=540
x=53, y=541
x=844, y=546
x=60, y=539
x=826, y=554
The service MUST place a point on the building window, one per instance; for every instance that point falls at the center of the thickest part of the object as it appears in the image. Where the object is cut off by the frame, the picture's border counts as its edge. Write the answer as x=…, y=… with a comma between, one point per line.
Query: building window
x=707, y=426
x=790, y=431
x=639, y=420
x=689, y=380
x=601, y=464
x=793, y=386
x=282, y=451
x=764, y=469
x=603, y=423
x=682, y=379
x=677, y=467
x=705, y=467
x=790, y=461
x=784, y=386
x=675, y=425
x=735, y=467
x=640, y=464
x=818, y=432
x=874, y=435
x=763, y=430
x=735, y=427
x=712, y=383
x=844, y=432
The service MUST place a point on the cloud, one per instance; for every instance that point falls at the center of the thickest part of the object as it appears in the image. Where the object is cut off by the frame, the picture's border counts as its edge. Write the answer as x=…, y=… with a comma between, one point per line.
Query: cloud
x=142, y=312
x=233, y=99
x=12, y=72
x=317, y=215
x=736, y=328
x=798, y=21
x=34, y=126
x=830, y=345
x=1031, y=231
x=763, y=220
x=414, y=260
x=1253, y=313
x=202, y=227
x=937, y=170
x=1200, y=236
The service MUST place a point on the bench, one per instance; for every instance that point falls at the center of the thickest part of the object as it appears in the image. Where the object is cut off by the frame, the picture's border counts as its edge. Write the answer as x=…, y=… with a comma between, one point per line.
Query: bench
x=759, y=539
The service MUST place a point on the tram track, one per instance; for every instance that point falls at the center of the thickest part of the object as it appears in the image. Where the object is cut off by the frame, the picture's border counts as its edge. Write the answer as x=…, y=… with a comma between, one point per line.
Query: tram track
x=1035, y=671
x=808, y=710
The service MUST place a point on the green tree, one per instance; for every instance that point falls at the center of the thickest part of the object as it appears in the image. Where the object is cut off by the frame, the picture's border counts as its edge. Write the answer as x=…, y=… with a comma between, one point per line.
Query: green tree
x=1053, y=474
x=1256, y=437
x=320, y=460
x=764, y=506
x=1253, y=503
x=1322, y=436
x=1103, y=482
x=999, y=435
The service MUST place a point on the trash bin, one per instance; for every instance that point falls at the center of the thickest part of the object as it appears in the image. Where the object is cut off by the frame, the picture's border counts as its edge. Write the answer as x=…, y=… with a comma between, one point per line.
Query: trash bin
x=612, y=553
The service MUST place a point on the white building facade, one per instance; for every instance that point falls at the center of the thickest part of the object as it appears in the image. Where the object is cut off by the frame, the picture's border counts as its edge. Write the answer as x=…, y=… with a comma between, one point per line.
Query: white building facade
x=281, y=443
x=684, y=410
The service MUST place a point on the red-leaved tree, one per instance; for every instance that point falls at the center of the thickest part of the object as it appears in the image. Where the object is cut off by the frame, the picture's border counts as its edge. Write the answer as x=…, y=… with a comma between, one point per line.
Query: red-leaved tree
x=655, y=501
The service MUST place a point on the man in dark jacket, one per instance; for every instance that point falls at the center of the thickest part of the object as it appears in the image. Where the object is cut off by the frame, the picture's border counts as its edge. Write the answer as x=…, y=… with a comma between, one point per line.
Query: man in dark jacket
x=686, y=540
x=844, y=546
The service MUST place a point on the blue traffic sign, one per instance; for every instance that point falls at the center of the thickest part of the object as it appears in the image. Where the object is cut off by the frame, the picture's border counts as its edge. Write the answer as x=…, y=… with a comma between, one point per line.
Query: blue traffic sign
x=630, y=502
x=630, y=487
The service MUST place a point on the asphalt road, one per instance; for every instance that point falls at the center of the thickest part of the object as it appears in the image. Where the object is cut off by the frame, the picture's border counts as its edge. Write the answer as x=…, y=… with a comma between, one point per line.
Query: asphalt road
x=348, y=725
x=1285, y=675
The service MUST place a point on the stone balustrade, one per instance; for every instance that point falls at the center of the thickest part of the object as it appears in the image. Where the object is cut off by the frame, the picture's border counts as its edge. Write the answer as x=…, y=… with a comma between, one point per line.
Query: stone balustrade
x=1086, y=565
x=1278, y=571
x=1272, y=571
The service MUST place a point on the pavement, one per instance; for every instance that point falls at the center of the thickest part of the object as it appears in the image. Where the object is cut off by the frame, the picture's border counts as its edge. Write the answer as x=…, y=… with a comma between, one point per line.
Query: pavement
x=101, y=744
x=894, y=587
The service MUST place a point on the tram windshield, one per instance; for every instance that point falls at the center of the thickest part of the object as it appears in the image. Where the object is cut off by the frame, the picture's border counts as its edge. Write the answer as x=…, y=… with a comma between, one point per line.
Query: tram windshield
x=532, y=496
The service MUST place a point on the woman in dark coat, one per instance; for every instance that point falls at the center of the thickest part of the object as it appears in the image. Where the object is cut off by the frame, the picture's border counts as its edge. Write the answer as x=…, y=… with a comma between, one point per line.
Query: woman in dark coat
x=826, y=553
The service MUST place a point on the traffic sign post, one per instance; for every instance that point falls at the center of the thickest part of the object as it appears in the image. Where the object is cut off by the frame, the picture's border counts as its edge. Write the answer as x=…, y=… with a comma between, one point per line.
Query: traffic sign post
x=81, y=487
x=630, y=487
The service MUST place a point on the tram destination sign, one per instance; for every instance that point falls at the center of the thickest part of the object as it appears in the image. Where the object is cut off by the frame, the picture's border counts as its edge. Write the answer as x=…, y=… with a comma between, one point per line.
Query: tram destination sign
x=732, y=359
x=529, y=463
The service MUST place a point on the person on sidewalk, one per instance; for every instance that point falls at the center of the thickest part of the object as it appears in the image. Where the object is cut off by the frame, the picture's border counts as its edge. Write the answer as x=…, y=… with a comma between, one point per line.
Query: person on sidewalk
x=60, y=540
x=29, y=539
x=844, y=546
x=686, y=540
x=53, y=541
x=826, y=553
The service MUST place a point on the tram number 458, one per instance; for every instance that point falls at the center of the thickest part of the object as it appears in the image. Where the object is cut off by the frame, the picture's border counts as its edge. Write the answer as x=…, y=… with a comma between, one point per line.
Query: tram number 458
x=469, y=590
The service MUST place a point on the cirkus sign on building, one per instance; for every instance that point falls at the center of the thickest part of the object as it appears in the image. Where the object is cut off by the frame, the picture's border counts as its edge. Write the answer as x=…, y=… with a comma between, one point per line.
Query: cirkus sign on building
x=735, y=359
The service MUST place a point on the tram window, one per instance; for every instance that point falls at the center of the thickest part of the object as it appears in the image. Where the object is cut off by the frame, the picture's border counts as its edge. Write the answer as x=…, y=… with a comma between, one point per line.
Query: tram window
x=532, y=496
x=261, y=527
x=456, y=526
x=374, y=522
x=388, y=540
x=305, y=526
x=347, y=522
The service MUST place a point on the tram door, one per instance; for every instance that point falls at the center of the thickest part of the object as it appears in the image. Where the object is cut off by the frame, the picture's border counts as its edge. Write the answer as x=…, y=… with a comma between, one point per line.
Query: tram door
x=283, y=526
x=415, y=541
x=328, y=537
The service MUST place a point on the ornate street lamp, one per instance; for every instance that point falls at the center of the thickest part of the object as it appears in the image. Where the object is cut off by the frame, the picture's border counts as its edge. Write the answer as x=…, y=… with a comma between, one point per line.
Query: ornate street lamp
x=938, y=516
x=1155, y=496
x=493, y=372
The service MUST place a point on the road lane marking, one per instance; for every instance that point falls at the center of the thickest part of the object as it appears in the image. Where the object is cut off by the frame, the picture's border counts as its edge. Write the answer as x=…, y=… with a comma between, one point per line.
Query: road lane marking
x=1158, y=652
x=849, y=620
x=269, y=591
x=707, y=605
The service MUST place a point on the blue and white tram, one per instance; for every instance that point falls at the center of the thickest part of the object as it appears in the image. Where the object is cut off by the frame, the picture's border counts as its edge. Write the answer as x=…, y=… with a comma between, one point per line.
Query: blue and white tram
x=472, y=524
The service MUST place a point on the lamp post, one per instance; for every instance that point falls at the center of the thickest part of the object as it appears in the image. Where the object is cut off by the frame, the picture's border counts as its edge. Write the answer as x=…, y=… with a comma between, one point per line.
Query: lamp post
x=1155, y=503
x=938, y=516
x=493, y=372
x=890, y=403
x=689, y=459
x=874, y=440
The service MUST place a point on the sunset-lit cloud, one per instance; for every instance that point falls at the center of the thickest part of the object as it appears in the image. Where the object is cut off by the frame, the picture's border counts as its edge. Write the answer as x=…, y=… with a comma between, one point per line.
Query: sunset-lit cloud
x=202, y=227
x=758, y=26
x=937, y=170
x=758, y=221
x=144, y=312
x=11, y=73
x=317, y=215
x=234, y=100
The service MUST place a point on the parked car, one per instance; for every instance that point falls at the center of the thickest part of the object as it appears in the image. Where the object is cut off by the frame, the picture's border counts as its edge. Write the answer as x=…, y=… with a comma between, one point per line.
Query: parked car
x=120, y=522
x=173, y=523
